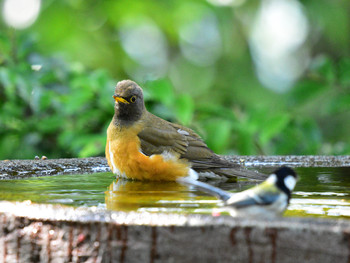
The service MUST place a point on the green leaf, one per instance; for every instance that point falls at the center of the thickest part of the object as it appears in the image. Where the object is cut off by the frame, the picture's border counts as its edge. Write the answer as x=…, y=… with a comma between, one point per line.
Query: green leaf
x=207, y=110
x=340, y=103
x=312, y=137
x=50, y=124
x=218, y=134
x=344, y=72
x=7, y=79
x=93, y=146
x=78, y=100
x=184, y=108
x=162, y=91
x=325, y=67
x=274, y=125
x=307, y=90
x=245, y=143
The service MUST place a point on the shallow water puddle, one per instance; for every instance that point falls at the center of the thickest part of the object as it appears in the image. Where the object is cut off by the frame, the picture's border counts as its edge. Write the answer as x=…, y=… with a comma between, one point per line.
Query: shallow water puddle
x=321, y=192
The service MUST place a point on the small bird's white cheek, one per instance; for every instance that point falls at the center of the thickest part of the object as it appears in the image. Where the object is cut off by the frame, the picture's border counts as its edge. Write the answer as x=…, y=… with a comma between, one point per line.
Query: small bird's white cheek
x=290, y=182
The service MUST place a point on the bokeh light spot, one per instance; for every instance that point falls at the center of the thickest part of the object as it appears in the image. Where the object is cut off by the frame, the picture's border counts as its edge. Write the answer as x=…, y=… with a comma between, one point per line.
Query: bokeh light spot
x=277, y=43
x=226, y=2
x=21, y=14
x=145, y=43
x=200, y=39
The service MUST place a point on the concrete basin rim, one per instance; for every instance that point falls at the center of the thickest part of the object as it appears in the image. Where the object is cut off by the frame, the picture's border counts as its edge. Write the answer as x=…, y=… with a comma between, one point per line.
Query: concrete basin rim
x=49, y=212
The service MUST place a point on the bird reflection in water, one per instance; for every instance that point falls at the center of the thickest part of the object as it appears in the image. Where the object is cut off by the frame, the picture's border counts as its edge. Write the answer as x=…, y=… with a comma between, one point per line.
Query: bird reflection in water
x=128, y=195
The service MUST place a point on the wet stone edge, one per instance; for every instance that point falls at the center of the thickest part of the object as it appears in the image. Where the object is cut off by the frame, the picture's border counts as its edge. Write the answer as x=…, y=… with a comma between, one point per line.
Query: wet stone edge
x=16, y=169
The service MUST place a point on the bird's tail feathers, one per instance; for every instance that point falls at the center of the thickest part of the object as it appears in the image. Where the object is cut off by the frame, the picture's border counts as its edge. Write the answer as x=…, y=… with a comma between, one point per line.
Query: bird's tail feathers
x=240, y=172
x=212, y=190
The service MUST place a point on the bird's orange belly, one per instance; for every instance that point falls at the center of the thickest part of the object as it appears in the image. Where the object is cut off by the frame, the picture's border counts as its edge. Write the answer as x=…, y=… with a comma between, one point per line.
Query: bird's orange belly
x=126, y=160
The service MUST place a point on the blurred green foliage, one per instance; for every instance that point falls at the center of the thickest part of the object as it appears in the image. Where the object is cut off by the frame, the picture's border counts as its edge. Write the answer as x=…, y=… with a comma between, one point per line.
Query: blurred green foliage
x=57, y=79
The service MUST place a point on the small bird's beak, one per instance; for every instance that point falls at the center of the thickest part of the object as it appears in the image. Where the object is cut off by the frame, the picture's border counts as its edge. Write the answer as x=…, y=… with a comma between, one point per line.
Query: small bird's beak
x=120, y=99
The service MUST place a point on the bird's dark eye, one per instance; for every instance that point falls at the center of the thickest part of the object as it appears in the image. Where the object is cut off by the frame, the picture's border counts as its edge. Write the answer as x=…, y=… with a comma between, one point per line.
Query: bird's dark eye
x=133, y=99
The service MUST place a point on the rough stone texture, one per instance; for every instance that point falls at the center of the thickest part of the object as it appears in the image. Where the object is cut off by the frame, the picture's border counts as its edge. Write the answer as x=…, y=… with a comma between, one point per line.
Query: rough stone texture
x=292, y=160
x=47, y=233
x=15, y=169
x=12, y=169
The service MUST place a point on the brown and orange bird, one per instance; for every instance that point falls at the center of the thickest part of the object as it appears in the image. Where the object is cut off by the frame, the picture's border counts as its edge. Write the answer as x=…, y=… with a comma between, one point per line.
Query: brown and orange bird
x=143, y=146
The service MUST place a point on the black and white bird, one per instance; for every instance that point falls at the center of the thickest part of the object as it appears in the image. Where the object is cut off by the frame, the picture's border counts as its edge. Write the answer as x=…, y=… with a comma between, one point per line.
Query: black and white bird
x=268, y=199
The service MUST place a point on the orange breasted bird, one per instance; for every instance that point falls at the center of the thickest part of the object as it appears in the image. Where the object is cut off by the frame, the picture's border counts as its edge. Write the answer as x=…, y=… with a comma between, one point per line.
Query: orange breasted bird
x=143, y=146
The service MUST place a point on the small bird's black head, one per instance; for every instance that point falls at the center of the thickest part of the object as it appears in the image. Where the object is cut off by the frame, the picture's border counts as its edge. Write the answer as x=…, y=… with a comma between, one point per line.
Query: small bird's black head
x=129, y=104
x=286, y=179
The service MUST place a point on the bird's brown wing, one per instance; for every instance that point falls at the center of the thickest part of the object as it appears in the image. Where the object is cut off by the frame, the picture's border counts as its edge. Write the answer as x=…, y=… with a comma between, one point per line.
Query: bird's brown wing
x=157, y=141
x=159, y=135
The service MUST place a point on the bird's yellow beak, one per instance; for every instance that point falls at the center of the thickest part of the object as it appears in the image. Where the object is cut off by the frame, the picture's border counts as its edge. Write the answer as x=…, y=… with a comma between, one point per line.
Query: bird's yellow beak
x=120, y=99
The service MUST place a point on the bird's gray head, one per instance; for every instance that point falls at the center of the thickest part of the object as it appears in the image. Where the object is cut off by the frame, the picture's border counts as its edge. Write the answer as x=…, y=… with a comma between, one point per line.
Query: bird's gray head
x=285, y=179
x=129, y=103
